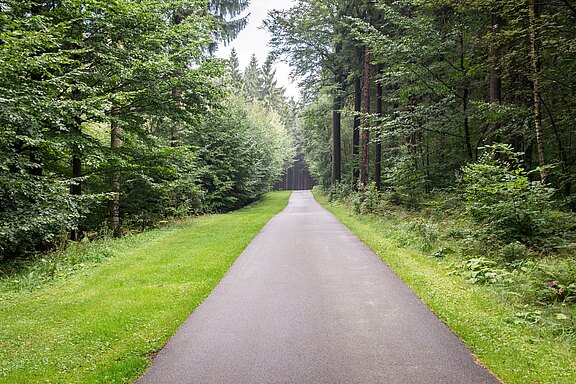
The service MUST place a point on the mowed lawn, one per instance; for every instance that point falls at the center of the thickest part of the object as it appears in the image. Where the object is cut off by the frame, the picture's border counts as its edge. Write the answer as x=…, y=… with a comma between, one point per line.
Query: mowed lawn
x=103, y=324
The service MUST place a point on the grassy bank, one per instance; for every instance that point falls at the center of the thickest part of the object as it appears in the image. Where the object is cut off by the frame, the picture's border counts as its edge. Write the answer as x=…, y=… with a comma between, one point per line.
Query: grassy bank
x=102, y=321
x=503, y=335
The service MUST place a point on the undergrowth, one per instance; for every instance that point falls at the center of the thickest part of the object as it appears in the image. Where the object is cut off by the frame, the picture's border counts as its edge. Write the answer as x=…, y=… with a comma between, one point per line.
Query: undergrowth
x=539, y=282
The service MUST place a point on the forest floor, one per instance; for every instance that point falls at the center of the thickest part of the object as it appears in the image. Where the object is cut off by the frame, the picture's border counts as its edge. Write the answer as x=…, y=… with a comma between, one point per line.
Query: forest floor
x=520, y=343
x=97, y=314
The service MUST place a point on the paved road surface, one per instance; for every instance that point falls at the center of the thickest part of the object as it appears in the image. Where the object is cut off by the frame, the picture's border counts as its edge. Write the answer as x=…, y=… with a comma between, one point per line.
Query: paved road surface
x=307, y=302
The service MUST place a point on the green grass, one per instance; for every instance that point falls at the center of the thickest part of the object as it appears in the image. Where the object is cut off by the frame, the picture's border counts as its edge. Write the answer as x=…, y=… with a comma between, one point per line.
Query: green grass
x=102, y=323
x=516, y=352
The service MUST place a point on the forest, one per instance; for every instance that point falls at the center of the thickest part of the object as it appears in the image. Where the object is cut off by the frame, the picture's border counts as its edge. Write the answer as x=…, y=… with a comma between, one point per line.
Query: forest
x=409, y=100
x=116, y=116
x=440, y=132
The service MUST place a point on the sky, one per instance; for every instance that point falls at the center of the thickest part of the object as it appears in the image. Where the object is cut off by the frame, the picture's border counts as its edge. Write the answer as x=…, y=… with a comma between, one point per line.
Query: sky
x=253, y=39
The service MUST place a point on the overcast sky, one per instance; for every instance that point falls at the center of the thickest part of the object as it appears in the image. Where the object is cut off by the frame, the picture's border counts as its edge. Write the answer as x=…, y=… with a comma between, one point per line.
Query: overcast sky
x=254, y=40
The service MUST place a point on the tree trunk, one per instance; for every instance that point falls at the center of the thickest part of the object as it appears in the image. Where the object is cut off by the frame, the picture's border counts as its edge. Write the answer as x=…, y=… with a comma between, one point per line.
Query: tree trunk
x=176, y=140
x=76, y=186
x=378, y=154
x=336, y=124
x=176, y=95
x=366, y=125
x=495, y=75
x=535, y=61
x=336, y=140
x=356, y=133
x=114, y=204
x=465, y=101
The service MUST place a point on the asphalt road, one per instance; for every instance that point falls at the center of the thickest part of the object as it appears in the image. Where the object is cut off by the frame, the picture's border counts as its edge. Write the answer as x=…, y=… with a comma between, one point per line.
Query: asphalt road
x=307, y=302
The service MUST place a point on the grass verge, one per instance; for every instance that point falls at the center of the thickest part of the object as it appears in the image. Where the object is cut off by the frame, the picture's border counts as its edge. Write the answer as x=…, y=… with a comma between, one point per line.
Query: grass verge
x=102, y=323
x=517, y=352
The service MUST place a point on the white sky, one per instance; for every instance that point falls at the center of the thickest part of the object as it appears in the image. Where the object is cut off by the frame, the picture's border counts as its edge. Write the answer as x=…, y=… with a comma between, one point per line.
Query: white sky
x=252, y=39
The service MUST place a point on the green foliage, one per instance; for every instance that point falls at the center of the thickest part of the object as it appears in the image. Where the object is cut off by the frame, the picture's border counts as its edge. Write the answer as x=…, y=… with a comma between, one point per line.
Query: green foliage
x=337, y=192
x=242, y=150
x=428, y=234
x=510, y=207
x=482, y=271
x=456, y=77
x=72, y=70
x=315, y=132
x=160, y=184
x=372, y=201
x=34, y=272
x=513, y=251
x=403, y=182
x=35, y=213
x=547, y=281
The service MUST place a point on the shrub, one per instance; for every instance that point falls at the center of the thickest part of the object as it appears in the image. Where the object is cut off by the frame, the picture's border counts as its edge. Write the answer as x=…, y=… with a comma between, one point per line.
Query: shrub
x=403, y=181
x=481, y=270
x=558, y=280
x=36, y=213
x=426, y=234
x=510, y=207
x=339, y=192
x=370, y=200
x=513, y=251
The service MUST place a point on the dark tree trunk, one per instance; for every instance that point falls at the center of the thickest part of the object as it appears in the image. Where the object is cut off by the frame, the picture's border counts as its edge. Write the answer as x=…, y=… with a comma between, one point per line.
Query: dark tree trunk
x=495, y=75
x=465, y=101
x=356, y=132
x=366, y=125
x=535, y=60
x=114, y=204
x=378, y=154
x=76, y=186
x=336, y=124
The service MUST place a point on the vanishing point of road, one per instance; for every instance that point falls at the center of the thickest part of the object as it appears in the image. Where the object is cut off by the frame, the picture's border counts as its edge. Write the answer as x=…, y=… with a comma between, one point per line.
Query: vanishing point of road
x=307, y=302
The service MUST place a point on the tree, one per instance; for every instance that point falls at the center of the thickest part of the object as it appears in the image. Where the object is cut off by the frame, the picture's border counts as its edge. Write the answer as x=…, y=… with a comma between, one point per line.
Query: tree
x=535, y=61
x=72, y=72
x=227, y=24
x=272, y=95
x=253, y=79
x=366, y=128
x=234, y=66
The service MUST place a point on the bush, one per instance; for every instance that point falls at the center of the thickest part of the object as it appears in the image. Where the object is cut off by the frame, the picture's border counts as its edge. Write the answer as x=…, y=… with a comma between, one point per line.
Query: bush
x=545, y=281
x=559, y=281
x=404, y=182
x=35, y=213
x=481, y=270
x=339, y=192
x=372, y=200
x=510, y=207
x=513, y=251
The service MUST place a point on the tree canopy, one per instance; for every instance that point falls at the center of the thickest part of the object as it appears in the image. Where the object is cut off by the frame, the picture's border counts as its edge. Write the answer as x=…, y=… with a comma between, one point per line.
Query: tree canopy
x=116, y=115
